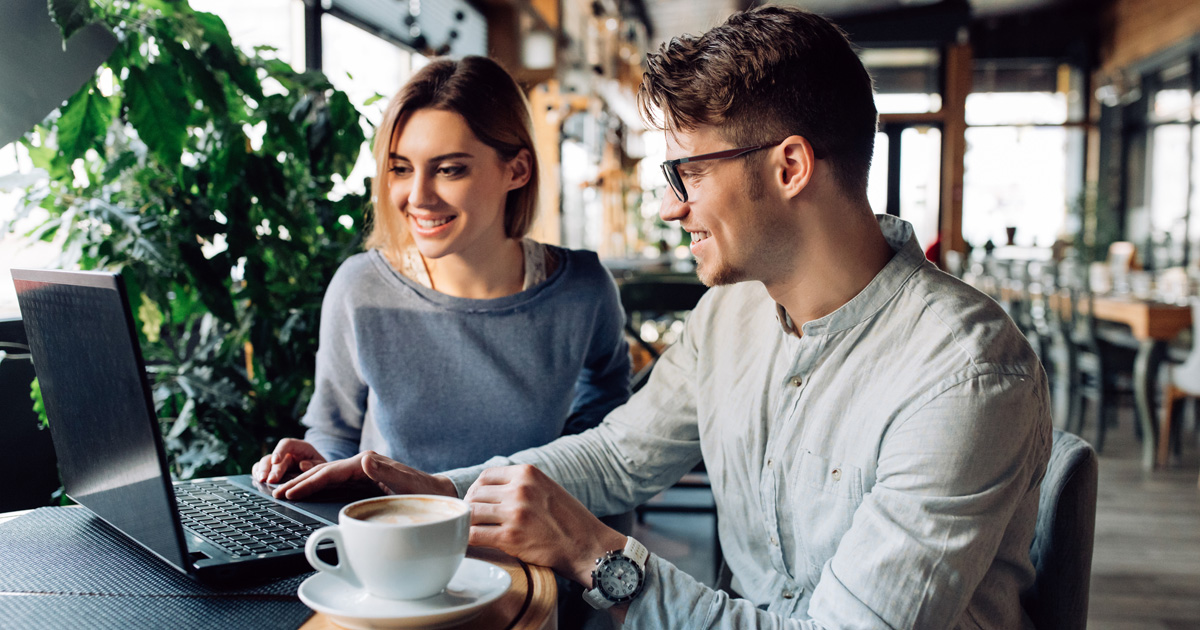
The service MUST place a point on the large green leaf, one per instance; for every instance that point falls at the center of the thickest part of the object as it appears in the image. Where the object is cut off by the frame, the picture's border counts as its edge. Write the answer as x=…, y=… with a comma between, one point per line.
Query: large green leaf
x=84, y=120
x=158, y=109
x=222, y=55
x=70, y=16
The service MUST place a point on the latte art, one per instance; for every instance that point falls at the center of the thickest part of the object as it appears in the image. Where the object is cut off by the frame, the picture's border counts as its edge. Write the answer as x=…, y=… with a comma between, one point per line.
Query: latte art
x=406, y=511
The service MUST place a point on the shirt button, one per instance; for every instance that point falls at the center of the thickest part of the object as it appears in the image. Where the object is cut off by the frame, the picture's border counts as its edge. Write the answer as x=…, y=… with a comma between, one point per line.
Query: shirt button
x=774, y=541
x=788, y=593
x=770, y=462
x=796, y=381
x=837, y=474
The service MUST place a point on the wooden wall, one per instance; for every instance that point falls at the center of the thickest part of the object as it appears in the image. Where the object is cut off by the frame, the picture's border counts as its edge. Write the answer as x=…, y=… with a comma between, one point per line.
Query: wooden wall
x=1134, y=29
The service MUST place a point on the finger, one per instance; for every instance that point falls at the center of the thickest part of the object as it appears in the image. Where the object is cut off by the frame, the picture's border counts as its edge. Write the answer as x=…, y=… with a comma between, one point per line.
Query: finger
x=493, y=536
x=488, y=514
x=485, y=494
x=324, y=476
x=259, y=470
x=306, y=464
x=496, y=476
x=282, y=464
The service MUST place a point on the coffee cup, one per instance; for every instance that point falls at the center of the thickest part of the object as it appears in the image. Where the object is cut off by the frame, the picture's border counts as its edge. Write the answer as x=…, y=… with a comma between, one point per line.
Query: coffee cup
x=397, y=547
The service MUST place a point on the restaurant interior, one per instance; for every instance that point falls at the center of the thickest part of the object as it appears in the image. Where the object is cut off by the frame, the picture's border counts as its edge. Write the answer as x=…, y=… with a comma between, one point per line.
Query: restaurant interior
x=1047, y=152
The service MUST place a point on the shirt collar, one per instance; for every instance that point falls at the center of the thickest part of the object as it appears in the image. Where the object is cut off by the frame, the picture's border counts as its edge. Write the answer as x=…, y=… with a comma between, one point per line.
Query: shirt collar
x=907, y=259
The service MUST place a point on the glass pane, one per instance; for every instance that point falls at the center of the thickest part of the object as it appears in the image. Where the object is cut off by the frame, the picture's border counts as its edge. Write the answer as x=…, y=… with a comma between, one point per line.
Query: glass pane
x=877, y=178
x=1168, y=174
x=275, y=23
x=920, y=175
x=1194, y=221
x=364, y=67
x=907, y=80
x=15, y=171
x=1171, y=105
x=1003, y=187
x=1016, y=108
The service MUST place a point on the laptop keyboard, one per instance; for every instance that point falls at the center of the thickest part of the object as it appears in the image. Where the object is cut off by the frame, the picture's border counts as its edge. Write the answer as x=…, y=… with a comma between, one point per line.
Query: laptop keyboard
x=238, y=521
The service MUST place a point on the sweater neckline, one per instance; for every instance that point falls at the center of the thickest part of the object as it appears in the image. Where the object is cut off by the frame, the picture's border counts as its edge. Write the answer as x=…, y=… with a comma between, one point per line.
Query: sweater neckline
x=450, y=302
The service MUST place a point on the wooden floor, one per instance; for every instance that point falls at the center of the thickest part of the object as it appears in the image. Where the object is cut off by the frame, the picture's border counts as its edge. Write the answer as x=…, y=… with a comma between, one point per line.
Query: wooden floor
x=1146, y=565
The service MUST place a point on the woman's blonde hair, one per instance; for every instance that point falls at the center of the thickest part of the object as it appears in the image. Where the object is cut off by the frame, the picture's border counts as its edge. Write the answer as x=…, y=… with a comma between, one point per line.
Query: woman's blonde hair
x=496, y=111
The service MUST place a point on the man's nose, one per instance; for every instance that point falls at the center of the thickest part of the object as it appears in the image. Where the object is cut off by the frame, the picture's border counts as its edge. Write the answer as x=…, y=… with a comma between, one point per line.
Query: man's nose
x=672, y=209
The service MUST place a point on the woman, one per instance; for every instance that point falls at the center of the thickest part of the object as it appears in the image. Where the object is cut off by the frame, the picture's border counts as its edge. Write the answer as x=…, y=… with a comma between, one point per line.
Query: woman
x=454, y=338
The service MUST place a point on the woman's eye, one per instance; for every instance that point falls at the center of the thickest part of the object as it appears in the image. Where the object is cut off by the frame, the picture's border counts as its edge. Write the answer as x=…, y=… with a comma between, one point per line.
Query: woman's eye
x=400, y=169
x=452, y=170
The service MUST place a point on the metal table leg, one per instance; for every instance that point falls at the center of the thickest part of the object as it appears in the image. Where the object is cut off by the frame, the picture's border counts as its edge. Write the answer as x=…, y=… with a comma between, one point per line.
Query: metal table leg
x=1145, y=378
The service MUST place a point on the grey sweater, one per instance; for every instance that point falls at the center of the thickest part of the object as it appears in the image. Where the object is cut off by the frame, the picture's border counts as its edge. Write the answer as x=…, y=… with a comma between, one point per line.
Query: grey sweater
x=440, y=382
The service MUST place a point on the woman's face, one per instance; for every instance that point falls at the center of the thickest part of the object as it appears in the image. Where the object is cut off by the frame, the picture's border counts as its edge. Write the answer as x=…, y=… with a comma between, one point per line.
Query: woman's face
x=450, y=187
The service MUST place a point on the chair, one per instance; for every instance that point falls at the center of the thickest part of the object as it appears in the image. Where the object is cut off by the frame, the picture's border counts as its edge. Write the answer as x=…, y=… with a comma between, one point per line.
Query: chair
x=652, y=297
x=1062, y=541
x=1097, y=357
x=1184, y=381
x=28, y=465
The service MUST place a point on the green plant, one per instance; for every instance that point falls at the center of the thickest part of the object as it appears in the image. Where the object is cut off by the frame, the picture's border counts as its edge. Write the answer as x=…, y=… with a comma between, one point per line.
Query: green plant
x=206, y=175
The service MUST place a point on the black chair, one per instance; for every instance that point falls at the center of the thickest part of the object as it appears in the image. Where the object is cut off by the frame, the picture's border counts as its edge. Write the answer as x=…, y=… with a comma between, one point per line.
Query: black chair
x=649, y=297
x=1065, y=533
x=1096, y=357
x=28, y=467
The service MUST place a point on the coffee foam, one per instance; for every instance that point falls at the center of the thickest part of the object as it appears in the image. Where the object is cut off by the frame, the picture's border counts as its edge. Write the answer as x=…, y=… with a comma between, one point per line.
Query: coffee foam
x=406, y=511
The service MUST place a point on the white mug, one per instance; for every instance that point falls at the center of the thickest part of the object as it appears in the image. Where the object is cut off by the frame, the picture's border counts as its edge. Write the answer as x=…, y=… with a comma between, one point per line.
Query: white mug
x=397, y=547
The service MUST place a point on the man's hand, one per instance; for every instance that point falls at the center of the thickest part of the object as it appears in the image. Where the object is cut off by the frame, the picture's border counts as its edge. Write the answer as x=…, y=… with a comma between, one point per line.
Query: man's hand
x=524, y=513
x=289, y=454
x=391, y=476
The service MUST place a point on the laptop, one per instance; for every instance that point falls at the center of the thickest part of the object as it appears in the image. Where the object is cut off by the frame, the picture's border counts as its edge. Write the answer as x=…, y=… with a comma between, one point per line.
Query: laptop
x=110, y=448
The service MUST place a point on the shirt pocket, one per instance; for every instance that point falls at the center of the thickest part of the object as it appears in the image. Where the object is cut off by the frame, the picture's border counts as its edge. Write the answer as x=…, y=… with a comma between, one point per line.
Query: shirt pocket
x=830, y=495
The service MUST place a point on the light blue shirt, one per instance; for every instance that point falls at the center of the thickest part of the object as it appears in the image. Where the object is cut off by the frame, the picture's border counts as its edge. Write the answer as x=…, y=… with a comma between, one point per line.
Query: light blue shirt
x=881, y=470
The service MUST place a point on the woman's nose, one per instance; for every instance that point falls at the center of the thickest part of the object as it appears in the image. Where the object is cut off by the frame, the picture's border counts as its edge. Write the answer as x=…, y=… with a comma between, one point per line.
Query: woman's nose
x=422, y=193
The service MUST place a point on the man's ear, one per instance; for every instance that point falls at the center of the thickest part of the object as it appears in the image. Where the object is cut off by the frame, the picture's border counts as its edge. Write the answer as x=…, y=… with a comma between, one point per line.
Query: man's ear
x=520, y=169
x=796, y=169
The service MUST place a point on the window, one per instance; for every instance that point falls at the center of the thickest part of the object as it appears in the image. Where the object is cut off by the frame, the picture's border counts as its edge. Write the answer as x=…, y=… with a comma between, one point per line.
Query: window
x=1164, y=196
x=1021, y=108
x=907, y=80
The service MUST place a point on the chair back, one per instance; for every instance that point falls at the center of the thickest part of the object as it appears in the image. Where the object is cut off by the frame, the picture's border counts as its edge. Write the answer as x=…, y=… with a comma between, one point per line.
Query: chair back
x=28, y=464
x=1062, y=543
x=1186, y=376
x=652, y=297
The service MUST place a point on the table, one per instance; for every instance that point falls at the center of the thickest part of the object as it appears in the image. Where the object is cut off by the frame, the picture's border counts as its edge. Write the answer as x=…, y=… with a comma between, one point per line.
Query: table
x=1154, y=325
x=530, y=604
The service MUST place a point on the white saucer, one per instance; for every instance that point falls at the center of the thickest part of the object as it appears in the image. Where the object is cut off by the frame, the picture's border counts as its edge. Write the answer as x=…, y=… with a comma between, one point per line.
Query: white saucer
x=474, y=586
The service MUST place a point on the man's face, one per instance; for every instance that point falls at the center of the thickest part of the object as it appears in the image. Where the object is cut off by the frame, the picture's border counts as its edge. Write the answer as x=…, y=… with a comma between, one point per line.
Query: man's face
x=725, y=214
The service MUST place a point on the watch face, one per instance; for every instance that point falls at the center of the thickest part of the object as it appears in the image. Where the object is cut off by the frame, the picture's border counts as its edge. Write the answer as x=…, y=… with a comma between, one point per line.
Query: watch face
x=619, y=578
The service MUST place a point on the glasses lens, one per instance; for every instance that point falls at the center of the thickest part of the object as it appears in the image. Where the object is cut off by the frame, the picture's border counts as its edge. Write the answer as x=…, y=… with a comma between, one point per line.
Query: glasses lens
x=676, y=183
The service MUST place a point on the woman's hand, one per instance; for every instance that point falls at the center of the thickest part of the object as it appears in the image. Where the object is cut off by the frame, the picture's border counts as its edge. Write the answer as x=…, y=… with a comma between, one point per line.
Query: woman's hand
x=391, y=476
x=289, y=454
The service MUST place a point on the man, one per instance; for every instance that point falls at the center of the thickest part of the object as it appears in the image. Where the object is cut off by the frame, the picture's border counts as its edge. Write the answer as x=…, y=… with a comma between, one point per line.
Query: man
x=875, y=431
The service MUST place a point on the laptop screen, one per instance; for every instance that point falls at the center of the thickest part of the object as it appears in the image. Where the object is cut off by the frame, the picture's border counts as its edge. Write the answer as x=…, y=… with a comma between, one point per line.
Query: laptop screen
x=93, y=381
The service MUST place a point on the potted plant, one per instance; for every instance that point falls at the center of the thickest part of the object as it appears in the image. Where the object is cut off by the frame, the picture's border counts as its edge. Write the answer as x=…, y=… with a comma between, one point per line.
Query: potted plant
x=206, y=175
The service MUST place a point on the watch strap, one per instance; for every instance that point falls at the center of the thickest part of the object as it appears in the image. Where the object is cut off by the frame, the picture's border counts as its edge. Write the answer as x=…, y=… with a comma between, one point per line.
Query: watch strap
x=636, y=551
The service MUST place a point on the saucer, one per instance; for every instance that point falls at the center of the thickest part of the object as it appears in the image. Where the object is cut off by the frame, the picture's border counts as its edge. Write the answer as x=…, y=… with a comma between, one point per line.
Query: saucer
x=475, y=585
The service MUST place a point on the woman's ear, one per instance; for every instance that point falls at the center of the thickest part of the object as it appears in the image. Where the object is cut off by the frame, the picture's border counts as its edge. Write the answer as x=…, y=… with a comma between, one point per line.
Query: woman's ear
x=796, y=170
x=520, y=169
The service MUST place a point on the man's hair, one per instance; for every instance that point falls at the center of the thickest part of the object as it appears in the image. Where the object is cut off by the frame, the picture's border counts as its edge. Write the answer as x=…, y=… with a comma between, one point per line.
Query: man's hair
x=496, y=111
x=764, y=75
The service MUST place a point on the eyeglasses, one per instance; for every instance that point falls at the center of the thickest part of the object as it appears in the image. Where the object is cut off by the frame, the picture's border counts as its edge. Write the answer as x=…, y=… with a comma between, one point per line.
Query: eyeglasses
x=672, y=174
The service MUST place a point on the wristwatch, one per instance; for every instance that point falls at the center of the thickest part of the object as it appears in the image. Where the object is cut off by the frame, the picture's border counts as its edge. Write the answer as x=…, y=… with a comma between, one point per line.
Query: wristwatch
x=619, y=575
